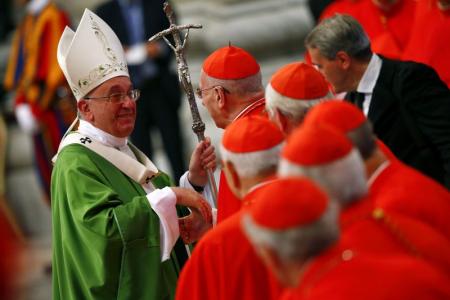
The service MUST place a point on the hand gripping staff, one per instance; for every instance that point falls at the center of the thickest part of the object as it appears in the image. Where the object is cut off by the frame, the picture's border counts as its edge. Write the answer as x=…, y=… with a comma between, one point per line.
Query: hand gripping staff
x=184, y=77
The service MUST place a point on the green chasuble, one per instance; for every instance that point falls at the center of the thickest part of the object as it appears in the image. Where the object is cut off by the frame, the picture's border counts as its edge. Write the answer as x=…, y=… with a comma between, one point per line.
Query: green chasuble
x=106, y=240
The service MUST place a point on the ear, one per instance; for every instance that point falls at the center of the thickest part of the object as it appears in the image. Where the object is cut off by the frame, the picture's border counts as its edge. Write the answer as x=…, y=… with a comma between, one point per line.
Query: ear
x=233, y=178
x=85, y=110
x=343, y=59
x=220, y=96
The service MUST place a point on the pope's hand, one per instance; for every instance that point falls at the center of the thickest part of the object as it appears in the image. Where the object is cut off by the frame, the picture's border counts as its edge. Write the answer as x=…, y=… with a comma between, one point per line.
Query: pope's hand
x=203, y=158
x=193, y=226
x=194, y=201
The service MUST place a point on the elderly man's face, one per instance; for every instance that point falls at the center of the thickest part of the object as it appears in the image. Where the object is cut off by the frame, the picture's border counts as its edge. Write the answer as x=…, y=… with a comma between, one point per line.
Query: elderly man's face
x=209, y=100
x=116, y=119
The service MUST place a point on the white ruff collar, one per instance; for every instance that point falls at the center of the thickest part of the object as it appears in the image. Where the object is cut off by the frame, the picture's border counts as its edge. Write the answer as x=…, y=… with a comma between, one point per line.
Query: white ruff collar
x=103, y=137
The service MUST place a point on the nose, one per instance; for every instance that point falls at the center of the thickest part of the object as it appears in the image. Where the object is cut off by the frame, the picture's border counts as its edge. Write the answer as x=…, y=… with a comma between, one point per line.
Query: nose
x=128, y=102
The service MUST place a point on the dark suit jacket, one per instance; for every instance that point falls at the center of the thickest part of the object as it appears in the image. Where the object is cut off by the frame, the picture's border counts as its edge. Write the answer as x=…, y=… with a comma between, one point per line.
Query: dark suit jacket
x=154, y=19
x=410, y=113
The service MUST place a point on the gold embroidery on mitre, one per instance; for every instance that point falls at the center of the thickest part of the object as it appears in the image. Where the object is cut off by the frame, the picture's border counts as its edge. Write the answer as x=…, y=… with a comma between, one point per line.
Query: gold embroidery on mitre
x=104, y=69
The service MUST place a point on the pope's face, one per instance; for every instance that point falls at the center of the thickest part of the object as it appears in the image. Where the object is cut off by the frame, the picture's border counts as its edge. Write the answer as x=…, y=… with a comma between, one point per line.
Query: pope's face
x=331, y=69
x=116, y=119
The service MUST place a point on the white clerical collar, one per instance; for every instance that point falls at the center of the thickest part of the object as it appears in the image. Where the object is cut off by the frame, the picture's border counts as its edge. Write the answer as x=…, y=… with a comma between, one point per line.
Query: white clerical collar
x=378, y=172
x=261, y=184
x=100, y=135
x=370, y=76
x=35, y=6
x=250, y=107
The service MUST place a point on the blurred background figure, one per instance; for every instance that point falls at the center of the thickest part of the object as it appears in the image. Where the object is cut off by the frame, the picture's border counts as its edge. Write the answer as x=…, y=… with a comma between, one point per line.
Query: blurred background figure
x=135, y=21
x=6, y=21
x=6, y=26
x=10, y=234
x=387, y=22
x=11, y=250
x=427, y=43
x=43, y=105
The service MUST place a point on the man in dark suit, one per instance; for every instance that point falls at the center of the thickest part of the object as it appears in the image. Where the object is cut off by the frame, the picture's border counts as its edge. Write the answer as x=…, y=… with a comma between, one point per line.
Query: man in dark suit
x=134, y=21
x=407, y=102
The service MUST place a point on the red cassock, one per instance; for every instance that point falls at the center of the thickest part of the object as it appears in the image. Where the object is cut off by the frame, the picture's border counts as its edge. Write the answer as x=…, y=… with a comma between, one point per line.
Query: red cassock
x=365, y=233
x=224, y=266
x=379, y=231
x=349, y=7
x=341, y=273
x=389, y=32
x=429, y=41
x=227, y=202
x=401, y=189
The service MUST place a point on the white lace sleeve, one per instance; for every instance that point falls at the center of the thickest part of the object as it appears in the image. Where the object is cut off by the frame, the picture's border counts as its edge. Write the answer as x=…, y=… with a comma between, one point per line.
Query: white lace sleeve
x=163, y=202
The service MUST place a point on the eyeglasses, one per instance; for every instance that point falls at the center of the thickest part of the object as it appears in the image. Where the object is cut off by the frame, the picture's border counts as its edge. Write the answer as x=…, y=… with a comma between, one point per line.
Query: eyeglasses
x=199, y=91
x=119, y=97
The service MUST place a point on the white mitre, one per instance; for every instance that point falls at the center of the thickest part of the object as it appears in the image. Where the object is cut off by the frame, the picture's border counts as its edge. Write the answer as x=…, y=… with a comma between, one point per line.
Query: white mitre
x=91, y=55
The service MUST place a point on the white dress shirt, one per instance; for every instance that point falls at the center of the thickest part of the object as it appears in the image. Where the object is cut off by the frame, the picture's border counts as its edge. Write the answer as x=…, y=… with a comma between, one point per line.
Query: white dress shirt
x=368, y=81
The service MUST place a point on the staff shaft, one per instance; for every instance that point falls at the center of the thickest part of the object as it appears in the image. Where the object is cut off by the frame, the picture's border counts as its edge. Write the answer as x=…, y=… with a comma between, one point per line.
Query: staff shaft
x=185, y=80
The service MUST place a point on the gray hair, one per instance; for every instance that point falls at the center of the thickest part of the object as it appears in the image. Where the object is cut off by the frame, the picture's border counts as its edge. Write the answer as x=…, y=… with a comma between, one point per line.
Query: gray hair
x=253, y=163
x=242, y=87
x=340, y=33
x=343, y=179
x=298, y=243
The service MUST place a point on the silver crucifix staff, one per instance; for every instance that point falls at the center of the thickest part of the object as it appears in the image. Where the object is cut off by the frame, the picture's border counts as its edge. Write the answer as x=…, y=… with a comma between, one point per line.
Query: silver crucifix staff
x=185, y=79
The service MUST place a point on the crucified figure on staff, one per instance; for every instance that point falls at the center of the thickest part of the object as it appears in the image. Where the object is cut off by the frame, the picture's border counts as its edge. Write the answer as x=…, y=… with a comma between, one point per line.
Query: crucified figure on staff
x=198, y=126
